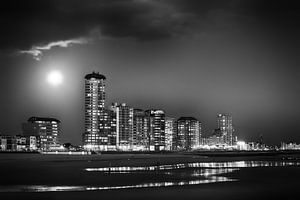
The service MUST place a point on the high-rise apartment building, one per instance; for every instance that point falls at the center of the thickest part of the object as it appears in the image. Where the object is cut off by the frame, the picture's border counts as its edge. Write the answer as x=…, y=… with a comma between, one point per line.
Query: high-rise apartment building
x=124, y=126
x=112, y=133
x=188, y=133
x=224, y=123
x=156, y=129
x=97, y=119
x=140, y=130
x=170, y=133
x=46, y=129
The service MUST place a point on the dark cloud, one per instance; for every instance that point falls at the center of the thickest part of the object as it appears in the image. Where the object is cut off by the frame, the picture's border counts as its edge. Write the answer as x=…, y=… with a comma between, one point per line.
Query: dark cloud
x=25, y=23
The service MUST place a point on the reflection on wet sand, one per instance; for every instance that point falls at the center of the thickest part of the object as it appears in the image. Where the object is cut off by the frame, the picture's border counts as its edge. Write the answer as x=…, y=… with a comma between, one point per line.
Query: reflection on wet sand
x=44, y=188
x=237, y=164
x=189, y=173
x=204, y=176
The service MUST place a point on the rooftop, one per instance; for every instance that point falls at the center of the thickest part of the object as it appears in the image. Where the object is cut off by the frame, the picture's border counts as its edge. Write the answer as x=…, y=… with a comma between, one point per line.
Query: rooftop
x=95, y=75
x=187, y=119
x=46, y=119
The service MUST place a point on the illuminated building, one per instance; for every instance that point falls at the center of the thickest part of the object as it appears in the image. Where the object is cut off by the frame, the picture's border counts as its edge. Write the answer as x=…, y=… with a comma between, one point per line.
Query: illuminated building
x=216, y=140
x=19, y=143
x=8, y=143
x=47, y=129
x=188, y=133
x=112, y=133
x=170, y=133
x=124, y=126
x=156, y=129
x=224, y=123
x=241, y=145
x=289, y=146
x=97, y=119
x=140, y=130
x=34, y=142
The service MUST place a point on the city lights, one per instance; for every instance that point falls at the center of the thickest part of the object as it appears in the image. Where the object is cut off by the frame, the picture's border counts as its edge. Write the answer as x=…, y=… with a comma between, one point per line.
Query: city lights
x=124, y=128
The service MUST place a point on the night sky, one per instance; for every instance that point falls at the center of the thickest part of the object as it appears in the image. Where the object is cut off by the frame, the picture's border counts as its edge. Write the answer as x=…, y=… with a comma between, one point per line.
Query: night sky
x=188, y=57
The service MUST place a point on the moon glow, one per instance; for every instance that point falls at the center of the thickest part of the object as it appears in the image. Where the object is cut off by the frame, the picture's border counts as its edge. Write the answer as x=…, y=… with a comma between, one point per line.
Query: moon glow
x=55, y=78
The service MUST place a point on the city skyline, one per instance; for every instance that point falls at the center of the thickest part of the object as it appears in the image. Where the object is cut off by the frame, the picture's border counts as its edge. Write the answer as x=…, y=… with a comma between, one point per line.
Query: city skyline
x=116, y=127
x=106, y=109
x=149, y=99
x=191, y=59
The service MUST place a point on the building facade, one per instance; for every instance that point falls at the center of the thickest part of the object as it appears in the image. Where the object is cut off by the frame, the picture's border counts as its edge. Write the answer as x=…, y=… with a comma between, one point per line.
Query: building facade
x=156, y=129
x=19, y=143
x=140, y=130
x=112, y=133
x=123, y=115
x=97, y=118
x=170, y=133
x=188, y=133
x=47, y=130
x=224, y=124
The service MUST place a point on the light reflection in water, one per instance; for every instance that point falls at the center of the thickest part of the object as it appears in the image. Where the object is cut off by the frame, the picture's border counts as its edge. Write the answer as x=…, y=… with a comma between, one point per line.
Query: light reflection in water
x=193, y=174
x=210, y=172
x=237, y=164
x=204, y=176
x=212, y=179
x=44, y=188
x=40, y=188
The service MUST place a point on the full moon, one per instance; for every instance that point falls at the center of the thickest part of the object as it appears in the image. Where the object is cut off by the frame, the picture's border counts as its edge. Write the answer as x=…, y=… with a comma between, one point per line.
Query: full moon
x=55, y=78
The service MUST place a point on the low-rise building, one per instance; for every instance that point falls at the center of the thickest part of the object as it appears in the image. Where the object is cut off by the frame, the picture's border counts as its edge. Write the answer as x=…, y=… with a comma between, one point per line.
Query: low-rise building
x=47, y=129
x=19, y=143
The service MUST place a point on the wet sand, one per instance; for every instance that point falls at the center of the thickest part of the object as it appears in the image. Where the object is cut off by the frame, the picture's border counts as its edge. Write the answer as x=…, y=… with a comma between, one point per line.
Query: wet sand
x=35, y=169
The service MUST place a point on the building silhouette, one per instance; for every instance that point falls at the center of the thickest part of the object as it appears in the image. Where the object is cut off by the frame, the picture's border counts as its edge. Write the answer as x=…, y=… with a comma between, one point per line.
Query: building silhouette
x=156, y=129
x=224, y=124
x=19, y=143
x=123, y=115
x=97, y=118
x=188, y=133
x=140, y=130
x=46, y=130
x=124, y=128
x=170, y=133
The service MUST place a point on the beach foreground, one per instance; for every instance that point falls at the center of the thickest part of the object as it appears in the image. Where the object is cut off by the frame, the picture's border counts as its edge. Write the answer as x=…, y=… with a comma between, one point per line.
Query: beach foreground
x=155, y=176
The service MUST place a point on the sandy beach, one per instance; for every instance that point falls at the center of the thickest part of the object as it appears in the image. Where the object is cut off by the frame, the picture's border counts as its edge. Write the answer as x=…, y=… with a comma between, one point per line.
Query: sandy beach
x=65, y=170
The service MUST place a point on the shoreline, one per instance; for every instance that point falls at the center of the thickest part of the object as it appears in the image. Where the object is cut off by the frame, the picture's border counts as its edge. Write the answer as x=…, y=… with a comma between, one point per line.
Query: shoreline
x=132, y=159
x=217, y=153
x=55, y=171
